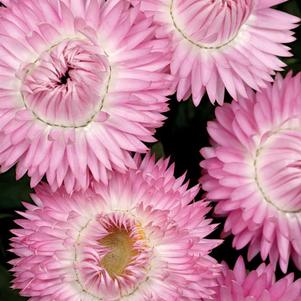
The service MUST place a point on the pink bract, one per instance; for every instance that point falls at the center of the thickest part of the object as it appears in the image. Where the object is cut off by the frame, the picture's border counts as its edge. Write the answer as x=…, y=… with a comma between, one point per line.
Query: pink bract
x=83, y=83
x=253, y=170
x=257, y=285
x=135, y=239
x=220, y=44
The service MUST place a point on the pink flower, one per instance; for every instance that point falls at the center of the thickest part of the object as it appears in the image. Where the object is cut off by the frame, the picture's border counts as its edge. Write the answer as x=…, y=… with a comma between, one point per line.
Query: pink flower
x=253, y=170
x=220, y=44
x=135, y=239
x=257, y=285
x=83, y=83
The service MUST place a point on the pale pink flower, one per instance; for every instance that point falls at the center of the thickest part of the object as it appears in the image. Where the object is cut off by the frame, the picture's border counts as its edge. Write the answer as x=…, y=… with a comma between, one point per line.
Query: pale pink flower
x=220, y=44
x=135, y=239
x=257, y=285
x=253, y=170
x=83, y=83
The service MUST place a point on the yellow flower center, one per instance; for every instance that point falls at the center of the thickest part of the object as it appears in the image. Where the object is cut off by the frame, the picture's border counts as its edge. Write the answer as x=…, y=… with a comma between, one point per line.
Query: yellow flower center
x=121, y=245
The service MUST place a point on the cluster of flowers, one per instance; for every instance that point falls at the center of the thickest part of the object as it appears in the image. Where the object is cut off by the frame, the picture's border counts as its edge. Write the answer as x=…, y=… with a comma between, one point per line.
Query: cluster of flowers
x=84, y=84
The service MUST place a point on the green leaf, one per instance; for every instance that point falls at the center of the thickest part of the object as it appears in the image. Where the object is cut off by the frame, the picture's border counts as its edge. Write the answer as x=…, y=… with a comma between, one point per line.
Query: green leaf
x=158, y=150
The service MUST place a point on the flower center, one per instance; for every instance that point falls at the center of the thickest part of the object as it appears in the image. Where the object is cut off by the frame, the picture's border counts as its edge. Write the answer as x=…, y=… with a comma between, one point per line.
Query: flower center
x=209, y=24
x=112, y=256
x=121, y=245
x=64, y=78
x=67, y=85
x=278, y=170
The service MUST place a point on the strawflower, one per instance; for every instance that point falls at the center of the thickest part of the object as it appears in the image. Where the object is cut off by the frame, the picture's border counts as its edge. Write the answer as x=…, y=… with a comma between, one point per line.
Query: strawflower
x=83, y=83
x=253, y=170
x=218, y=44
x=135, y=239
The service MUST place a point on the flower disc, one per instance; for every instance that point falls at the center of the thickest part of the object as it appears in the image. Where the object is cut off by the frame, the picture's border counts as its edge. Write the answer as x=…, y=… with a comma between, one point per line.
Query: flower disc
x=67, y=85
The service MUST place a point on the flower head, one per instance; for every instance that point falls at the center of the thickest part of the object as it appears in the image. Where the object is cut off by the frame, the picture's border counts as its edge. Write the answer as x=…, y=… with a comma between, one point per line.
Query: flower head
x=135, y=239
x=83, y=83
x=253, y=170
x=220, y=44
x=257, y=285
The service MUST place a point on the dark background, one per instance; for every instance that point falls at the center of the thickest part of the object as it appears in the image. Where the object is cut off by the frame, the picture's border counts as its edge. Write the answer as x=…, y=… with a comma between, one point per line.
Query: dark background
x=181, y=138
